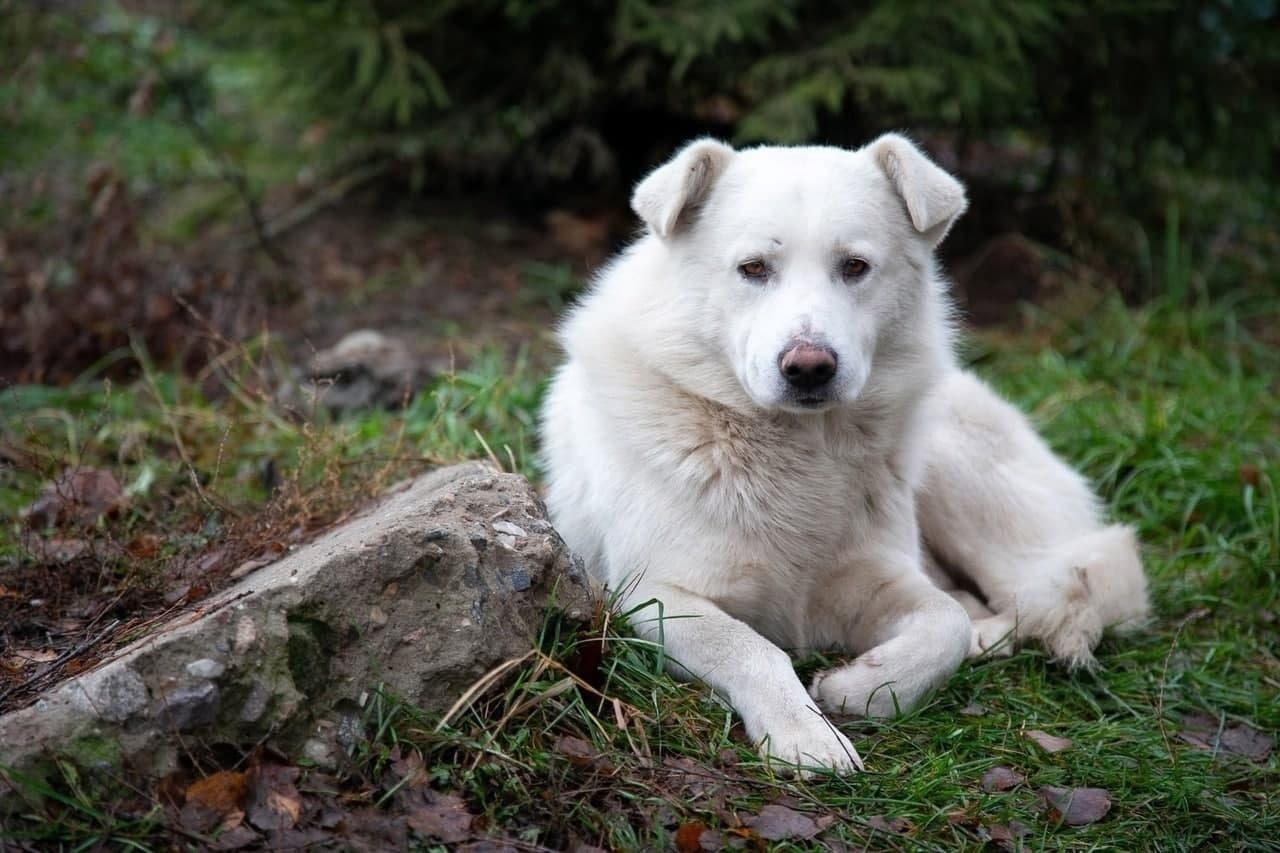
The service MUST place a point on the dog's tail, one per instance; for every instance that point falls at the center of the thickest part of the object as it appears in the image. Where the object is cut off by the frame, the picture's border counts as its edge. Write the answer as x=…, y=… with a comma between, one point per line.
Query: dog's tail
x=1092, y=583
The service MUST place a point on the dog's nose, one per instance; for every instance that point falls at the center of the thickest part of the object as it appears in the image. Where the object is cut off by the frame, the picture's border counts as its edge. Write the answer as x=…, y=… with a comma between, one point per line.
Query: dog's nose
x=808, y=366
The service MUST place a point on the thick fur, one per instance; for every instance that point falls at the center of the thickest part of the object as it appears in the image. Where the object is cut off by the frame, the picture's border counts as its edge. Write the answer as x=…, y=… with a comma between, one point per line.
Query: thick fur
x=736, y=516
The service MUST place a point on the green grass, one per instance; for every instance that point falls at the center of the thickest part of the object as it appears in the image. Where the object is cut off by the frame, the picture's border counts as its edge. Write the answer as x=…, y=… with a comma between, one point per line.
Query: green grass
x=1172, y=412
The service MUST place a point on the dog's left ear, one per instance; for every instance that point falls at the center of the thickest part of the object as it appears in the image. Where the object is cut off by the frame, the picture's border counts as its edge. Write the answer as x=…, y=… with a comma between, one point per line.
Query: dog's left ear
x=671, y=192
x=934, y=199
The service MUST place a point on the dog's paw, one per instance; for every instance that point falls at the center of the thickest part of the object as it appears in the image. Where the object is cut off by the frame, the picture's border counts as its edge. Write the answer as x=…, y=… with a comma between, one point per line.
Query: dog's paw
x=863, y=688
x=811, y=744
x=993, y=636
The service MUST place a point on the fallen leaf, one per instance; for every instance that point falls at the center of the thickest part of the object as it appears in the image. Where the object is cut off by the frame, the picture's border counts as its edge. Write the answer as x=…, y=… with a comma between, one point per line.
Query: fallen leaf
x=439, y=815
x=274, y=802
x=1076, y=806
x=1250, y=475
x=60, y=550
x=973, y=709
x=144, y=546
x=1006, y=836
x=896, y=825
x=410, y=769
x=222, y=792
x=779, y=823
x=236, y=838
x=1048, y=742
x=577, y=750
x=498, y=845
x=79, y=496
x=27, y=657
x=1001, y=778
x=689, y=837
x=1235, y=738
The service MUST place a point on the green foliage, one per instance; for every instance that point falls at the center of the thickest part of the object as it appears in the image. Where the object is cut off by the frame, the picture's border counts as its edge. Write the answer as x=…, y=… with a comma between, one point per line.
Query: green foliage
x=489, y=85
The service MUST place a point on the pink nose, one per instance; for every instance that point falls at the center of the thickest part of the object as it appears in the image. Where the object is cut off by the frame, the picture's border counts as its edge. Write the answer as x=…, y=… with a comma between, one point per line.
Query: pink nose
x=808, y=366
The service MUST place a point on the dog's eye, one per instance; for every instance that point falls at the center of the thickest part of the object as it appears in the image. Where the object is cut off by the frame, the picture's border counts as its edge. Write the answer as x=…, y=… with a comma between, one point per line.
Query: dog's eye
x=753, y=270
x=854, y=268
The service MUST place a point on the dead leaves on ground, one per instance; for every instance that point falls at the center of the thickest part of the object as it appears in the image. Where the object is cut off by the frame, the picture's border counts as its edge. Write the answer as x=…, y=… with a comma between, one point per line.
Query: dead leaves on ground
x=780, y=823
x=1229, y=738
x=1049, y=743
x=1076, y=806
x=76, y=497
x=1001, y=779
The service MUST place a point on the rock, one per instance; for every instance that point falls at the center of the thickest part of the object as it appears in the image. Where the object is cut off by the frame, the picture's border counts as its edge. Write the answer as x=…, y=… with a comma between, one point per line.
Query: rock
x=188, y=707
x=205, y=668
x=287, y=651
x=364, y=369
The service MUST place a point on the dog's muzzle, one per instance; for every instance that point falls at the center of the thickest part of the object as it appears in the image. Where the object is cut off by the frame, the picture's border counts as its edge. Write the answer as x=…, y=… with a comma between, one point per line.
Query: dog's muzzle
x=808, y=368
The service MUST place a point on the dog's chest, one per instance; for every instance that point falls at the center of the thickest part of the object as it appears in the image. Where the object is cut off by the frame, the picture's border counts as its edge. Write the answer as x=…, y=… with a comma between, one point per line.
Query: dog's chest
x=792, y=491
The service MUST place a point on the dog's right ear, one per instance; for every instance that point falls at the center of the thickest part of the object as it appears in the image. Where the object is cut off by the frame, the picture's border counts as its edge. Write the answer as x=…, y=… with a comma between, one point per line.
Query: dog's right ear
x=671, y=192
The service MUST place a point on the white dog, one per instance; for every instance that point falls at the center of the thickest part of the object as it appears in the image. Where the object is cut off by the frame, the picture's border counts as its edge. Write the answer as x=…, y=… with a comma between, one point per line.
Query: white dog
x=762, y=430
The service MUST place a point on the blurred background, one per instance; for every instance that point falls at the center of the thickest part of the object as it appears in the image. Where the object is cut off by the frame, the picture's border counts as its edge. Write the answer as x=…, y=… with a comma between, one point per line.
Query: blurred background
x=176, y=170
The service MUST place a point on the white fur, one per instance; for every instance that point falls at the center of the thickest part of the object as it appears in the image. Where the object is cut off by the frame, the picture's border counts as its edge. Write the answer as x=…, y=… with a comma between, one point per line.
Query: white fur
x=736, y=519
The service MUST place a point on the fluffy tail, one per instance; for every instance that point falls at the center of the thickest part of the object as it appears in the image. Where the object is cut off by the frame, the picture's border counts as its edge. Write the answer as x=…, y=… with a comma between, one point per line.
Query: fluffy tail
x=1094, y=582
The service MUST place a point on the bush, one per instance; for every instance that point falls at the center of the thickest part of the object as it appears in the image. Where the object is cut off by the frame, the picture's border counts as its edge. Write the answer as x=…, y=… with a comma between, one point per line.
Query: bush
x=550, y=90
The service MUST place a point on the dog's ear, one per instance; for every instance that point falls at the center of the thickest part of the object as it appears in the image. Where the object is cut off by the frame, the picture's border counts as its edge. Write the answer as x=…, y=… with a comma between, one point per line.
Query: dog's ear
x=673, y=191
x=934, y=199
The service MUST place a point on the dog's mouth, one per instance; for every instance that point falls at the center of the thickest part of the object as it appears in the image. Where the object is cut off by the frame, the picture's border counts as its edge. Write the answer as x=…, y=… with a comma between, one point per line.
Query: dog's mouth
x=812, y=402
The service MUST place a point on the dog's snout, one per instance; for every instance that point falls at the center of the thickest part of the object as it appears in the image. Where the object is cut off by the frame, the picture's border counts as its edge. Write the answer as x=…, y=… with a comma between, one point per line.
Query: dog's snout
x=808, y=366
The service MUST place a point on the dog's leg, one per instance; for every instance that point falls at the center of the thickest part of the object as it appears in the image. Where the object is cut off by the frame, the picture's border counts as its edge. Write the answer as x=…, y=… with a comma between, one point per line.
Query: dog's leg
x=914, y=634
x=1026, y=529
x=703, y=642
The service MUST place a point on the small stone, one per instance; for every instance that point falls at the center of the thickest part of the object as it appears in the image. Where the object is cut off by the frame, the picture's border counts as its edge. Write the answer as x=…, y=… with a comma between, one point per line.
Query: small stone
x=256, y=704
x=246, y=633
x=114, y=695
x=206, y=668
x=507, y=541
x=377, y=617
x=509, y=528
x=319, y=753
x=188, y=707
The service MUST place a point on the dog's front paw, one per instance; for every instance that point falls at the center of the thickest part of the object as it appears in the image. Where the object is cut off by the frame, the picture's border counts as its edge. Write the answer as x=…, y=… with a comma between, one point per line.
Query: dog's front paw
x=810, y=742
x=863, y=688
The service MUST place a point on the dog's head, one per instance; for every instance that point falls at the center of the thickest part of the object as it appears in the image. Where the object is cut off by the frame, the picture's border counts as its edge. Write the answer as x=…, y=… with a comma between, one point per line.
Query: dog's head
x=798, y=262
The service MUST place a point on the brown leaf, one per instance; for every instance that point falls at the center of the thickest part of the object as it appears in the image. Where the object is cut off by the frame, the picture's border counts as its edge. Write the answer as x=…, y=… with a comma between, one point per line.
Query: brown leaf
x=439, y=815
x=274, y=802
x=779, y=823
x=1235, y=738
x=1006, y=836
x=577, y=750
x=1250, y=474
x=689, y=837
x=1048, y=742
x=1076, y=806
x=28, y=657
x=1001, y=778
x=896, y=825
x=410, y=768
x=79, y=496
x=144, y=546
x=59, y=550
x=236, y=838
x=222, y=792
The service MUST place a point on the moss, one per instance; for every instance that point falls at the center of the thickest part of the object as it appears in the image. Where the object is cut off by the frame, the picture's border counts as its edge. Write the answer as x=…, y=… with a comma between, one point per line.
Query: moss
x=311, y=644
x=94, y=752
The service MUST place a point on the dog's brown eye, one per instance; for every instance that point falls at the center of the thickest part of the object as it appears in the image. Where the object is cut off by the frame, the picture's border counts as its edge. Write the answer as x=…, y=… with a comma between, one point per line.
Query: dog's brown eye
x=753, y=269
x=855, y=268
